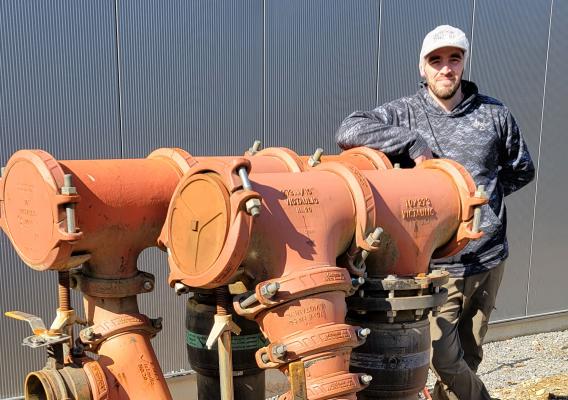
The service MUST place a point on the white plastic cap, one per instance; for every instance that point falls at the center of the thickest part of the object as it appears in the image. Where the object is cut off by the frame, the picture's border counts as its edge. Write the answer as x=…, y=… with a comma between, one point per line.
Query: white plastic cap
x=444, y=36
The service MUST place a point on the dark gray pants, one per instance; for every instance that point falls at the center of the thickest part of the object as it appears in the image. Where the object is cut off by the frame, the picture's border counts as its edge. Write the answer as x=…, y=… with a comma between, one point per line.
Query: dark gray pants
x=458, y=332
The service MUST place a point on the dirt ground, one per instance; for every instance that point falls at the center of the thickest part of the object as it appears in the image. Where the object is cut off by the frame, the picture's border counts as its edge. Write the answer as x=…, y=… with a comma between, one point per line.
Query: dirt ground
x=550, y=388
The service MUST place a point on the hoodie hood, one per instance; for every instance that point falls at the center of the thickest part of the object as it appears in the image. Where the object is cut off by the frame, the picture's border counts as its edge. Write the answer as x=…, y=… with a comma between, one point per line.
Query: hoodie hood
x=470, y=93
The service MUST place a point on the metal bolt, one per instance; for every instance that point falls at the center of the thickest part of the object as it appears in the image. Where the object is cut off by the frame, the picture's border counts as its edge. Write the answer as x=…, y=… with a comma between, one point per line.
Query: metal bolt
x=315, y=158
x=391, y=315
x=372, y=240
x=148, y=285
x=356, y=282
x=374, y=237
x=255, y=147
x=253, y=206
x=418, y=314
x=270, y=289
x=37, y=340
x=69, y=189
x=361, y=293
x=89, y=333
x=180, y=288
x=363, y=333
x=249, y=301
x=265, y=359
x=361, y=312
x=280, y=350
x=480, y=193
x=157, y=323
x=366, y=379
x=396, y=165
x=245, y=178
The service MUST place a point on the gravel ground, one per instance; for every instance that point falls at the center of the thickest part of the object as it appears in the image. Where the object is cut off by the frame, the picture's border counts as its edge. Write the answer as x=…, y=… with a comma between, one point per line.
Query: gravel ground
x=516, y=361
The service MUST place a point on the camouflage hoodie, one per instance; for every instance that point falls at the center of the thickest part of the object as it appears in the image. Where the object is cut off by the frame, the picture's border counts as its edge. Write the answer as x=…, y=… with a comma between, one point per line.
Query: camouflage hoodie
x=480, y=133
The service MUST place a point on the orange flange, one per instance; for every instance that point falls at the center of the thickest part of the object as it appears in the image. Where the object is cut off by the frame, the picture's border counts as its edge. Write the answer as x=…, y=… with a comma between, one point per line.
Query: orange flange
x=210, y=251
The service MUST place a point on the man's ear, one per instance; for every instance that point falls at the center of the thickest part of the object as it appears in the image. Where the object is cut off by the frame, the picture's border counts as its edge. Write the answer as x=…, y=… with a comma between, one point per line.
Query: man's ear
x=421, y=68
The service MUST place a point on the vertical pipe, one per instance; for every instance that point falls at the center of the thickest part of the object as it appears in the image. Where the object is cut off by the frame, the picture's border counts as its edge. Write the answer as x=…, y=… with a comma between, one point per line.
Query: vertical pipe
x=224, y=345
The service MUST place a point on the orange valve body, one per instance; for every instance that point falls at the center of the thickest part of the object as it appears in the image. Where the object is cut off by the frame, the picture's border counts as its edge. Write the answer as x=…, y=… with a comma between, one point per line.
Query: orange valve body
x=308, y=219
x=119, y=207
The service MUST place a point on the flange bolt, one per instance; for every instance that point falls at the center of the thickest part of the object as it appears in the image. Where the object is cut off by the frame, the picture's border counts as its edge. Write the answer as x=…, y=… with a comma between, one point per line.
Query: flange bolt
x=148, y=285
x=366, y=379
x=315, y=158
x=363, y=333
x=356, y=282
x=180, y=288
x=270, y=290
x=280, y=350
x=89, y=333
x=255, y=147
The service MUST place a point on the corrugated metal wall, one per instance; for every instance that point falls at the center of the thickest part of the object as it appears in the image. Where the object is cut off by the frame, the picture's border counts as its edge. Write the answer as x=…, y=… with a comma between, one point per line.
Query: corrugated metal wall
x=120, y=78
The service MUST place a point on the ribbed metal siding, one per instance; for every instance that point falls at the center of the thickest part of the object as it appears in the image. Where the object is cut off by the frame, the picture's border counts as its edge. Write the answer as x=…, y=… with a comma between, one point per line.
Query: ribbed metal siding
x=549, y=273
x=58, y=78
x=321, y=60
x=190, y=75
x=58, y=93
x=403, y=26
x=508, y=62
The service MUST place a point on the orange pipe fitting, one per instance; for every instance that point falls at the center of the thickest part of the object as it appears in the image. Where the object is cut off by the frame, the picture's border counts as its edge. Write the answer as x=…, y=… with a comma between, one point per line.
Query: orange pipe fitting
x=288, y=253
x=430, y=213
x=113, y=210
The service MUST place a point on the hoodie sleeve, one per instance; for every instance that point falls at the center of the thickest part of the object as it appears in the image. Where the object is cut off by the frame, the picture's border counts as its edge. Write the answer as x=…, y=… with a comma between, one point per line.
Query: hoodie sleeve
x=379, y=129
x=517, y=168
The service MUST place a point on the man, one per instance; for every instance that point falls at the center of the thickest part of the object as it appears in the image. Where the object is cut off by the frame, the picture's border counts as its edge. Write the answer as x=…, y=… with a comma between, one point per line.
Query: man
x=448, y=118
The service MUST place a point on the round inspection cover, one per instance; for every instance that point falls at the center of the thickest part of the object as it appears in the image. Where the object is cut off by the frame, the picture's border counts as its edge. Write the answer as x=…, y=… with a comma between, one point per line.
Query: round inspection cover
x=198, y=225
x=30, y=211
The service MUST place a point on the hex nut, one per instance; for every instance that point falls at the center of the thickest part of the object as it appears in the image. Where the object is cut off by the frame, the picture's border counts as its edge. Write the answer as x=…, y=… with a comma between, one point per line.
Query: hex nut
x=253, y=206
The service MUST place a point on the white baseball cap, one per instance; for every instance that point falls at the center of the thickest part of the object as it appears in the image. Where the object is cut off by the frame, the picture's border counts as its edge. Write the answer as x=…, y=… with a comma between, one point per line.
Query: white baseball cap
x=444, y=36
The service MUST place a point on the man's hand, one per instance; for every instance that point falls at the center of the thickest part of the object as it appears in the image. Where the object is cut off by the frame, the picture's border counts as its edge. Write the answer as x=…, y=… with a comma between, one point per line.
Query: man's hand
x=426, y=155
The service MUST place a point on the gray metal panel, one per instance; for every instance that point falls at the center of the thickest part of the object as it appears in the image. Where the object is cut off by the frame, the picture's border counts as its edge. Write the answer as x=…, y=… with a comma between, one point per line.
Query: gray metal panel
x=549, y=273
x=403, y=27
x=321, y=61
x=190, y=75
x=58, y=93
x=508, y=62
x=169, y=344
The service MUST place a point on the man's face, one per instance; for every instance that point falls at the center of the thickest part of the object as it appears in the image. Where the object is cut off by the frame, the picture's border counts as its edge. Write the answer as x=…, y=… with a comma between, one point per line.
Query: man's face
x=443, y=71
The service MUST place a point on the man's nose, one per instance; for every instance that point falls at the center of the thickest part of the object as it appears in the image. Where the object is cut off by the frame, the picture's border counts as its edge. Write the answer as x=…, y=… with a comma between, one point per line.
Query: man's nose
x=446, y=70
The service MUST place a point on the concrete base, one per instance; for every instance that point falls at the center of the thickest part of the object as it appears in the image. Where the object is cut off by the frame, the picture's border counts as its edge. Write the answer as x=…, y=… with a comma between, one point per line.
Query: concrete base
x=523, y=326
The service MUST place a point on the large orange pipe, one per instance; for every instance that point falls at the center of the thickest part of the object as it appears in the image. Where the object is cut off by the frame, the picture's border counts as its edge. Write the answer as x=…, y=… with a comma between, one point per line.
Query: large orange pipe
x=119, y=207
x=307, y=221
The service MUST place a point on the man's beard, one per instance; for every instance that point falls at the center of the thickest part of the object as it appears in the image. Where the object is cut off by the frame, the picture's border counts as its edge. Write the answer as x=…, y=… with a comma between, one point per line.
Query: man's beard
x=445, y=92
